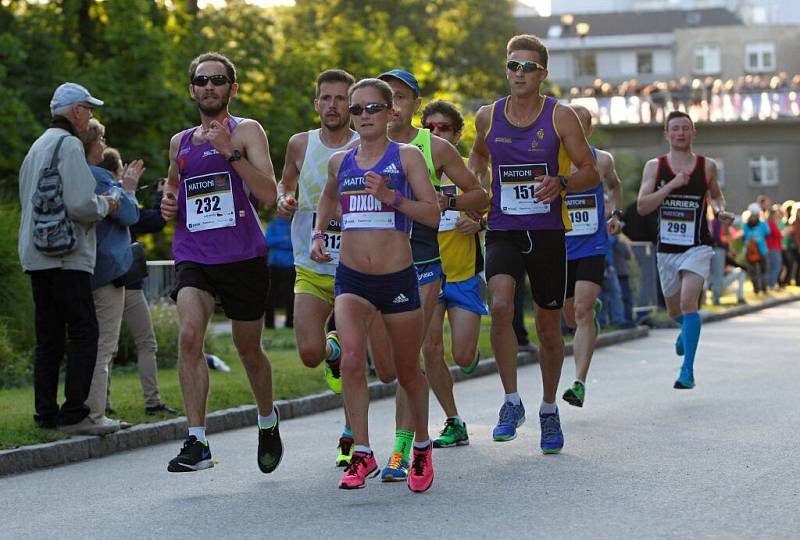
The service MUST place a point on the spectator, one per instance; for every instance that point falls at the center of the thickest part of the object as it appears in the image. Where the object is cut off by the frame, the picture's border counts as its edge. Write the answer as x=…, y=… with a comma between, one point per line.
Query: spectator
x=61, y=284
x=791, y=257
x=722, y=239
x=281, y=271
x=113, y=261
x=136, y=312
x=612, y=311
x=755, y=247
x=622, y=257
x=774, y=245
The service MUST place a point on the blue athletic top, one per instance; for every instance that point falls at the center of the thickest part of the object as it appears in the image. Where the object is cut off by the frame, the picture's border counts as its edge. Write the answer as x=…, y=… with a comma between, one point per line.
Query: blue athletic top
x=362, y=211
x=587, y=212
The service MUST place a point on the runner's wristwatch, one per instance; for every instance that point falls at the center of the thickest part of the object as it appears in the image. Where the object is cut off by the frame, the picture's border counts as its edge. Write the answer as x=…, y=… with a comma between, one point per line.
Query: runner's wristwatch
x=564, y=181
x=235, y=156
x=451, y=203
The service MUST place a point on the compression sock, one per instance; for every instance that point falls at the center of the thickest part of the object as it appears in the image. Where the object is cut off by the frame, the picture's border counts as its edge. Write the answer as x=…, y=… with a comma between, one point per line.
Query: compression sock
x=691, y=337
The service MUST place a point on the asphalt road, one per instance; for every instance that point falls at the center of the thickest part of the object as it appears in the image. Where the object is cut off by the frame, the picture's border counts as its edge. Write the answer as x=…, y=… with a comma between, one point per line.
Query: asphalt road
x=641, y=459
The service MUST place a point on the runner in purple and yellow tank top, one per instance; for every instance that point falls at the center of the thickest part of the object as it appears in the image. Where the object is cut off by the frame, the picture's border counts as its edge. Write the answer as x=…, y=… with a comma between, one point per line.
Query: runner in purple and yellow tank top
x=530, y=142
x=381, y=186
x=218, y=172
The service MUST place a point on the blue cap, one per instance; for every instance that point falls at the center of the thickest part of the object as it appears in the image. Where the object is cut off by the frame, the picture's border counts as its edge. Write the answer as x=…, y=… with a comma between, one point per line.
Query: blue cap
x=403, y=76
x=70, y=94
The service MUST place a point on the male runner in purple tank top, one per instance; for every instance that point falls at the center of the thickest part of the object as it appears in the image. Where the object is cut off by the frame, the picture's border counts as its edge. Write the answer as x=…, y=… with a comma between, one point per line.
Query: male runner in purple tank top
x=216, y=173
x=531, y=142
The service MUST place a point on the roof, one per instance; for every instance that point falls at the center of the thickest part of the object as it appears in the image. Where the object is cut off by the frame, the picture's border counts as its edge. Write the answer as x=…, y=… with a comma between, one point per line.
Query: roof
x=629, y=22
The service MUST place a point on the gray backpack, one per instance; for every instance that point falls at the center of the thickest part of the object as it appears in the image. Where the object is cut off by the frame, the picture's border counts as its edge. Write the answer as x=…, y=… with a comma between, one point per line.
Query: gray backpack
x=53, y=231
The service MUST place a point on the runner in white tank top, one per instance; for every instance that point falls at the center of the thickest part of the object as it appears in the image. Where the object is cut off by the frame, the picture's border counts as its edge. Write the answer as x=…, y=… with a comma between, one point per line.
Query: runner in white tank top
x=304, y=175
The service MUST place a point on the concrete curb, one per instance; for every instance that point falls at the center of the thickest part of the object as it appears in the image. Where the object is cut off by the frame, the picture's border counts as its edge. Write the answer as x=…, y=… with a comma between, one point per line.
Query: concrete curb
x=80, y=448
x=716, y=316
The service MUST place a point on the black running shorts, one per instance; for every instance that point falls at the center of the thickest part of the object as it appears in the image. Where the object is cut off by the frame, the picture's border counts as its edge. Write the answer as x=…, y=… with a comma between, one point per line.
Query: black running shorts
x=540, y=254
x=586, y=269
x=240, y=287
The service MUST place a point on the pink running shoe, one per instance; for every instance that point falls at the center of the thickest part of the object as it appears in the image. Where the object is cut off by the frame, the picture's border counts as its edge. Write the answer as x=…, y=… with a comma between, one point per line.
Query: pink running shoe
x=420, y=476
x=362, y=466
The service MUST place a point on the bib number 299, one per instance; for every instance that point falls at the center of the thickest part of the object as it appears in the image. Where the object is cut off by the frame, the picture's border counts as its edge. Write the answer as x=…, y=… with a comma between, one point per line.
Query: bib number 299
x=677, y=228
x=207, y=204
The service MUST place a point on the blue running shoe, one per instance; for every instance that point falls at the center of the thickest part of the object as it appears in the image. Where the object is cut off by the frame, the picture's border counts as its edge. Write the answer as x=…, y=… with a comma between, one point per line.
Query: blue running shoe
x=552, y=440
x=396, y=469
x=511, y=417
x=685, y=380
x=679, y=345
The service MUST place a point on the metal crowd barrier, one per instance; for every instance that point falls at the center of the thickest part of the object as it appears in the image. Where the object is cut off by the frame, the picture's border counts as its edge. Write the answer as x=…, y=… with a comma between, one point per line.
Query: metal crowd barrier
x=644, y=279
x=160, y=279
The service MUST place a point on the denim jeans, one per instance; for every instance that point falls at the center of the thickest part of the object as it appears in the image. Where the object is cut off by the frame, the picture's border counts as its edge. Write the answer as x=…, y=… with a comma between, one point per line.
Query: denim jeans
x=612, y=300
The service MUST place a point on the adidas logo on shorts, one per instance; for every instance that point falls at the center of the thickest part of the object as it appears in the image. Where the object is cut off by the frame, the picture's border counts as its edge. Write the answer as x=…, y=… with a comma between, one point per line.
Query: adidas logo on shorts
x=400, y=299
x=390, y=169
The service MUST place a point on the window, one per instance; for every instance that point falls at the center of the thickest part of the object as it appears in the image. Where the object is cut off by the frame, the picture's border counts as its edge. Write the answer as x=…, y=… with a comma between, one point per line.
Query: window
x=764, y=171
x=706, y=59
x=759, y=57
x=644, y=62
x=585, y=64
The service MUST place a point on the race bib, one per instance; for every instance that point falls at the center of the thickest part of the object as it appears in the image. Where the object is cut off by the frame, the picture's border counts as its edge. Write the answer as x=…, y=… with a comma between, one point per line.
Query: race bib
x=517, y=186
x=583, y=214
x=332, y=236
x=209, y=202
x=360, y=210
x=677, y=226
x=449, y=217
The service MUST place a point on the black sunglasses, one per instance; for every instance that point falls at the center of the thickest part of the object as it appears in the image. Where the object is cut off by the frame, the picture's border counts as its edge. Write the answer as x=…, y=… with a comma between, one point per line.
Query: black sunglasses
x=526, y=67
x=369, y=108
x=216, y=80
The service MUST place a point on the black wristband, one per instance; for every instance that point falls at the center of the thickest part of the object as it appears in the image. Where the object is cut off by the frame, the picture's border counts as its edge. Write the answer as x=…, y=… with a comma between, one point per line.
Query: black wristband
x=618, y=214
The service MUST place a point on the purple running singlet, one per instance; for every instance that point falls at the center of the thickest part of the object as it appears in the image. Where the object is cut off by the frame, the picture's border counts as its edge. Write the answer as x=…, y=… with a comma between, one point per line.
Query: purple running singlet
x=217, y=221
x=518, y=155
x=362, y=211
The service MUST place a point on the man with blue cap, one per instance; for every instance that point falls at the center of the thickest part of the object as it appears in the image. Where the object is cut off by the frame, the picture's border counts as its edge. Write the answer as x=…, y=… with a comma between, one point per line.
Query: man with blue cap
x=60, y=277
x=441, y=158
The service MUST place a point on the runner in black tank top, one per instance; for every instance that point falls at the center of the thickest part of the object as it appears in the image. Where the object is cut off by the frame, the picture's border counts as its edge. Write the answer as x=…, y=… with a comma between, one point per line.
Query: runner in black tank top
x=682, y=221
x=678, y=186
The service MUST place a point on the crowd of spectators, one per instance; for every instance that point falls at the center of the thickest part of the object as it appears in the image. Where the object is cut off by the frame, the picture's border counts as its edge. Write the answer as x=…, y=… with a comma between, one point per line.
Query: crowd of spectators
x=705, y=100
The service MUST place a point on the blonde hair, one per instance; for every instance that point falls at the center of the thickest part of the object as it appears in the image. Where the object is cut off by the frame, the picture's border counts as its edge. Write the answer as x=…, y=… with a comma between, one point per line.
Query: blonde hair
x=93, y=133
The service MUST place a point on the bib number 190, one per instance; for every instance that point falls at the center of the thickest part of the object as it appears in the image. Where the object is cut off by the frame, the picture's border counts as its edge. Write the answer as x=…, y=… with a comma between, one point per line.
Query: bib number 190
x=207, y=204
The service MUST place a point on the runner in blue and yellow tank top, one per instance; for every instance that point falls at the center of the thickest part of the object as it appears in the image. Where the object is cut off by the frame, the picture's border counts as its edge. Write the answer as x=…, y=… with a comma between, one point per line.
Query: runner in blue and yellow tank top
x=462, y=296
x=530, y=141
x=441, y=157
x=380, y=186
x=587, y=244
x=305, y=171
x=217, y=173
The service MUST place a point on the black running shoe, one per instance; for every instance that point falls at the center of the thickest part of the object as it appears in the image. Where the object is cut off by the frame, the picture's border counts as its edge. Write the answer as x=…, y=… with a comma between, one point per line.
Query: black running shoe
x=270, y=447
x=194, y=456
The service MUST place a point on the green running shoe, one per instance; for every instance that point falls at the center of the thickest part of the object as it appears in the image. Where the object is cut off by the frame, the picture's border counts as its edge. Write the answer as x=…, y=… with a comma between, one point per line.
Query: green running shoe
x=469, y=369
x=453, y=434
x=575, y=394
x=598, y=307
x=346, y=446
x=333, y=373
